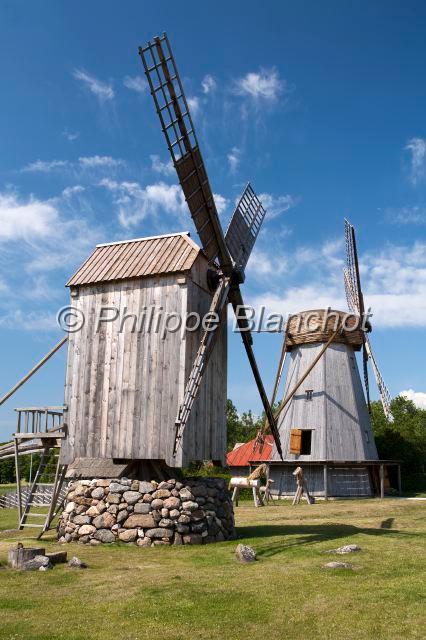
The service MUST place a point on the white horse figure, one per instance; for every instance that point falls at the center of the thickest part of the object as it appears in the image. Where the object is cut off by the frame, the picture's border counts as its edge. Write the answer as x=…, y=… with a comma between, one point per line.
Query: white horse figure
x=252, y=482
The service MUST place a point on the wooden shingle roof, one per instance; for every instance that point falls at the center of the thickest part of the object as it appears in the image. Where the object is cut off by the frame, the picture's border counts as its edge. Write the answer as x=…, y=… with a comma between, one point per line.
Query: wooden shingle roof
x=137, y=258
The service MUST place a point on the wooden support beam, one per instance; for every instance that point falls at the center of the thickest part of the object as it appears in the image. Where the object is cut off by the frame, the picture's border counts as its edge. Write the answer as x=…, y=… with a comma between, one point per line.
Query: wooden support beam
x=18, y=481
x=33, y=370
x=399, y=479
x=325, y=482
x=382, y=480
x=305, y=375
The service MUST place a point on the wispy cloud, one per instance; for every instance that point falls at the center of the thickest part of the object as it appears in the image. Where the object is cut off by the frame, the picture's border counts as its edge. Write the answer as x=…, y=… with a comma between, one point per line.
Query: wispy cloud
x=234, y=159
x=418, y=397
x=208, y=84
x=194, y=104
x=83, y=163
x=70, y=135
x=135, y=203
x=164, y=168
x=90, y=162
x=265, y=84
x=416, y=147
x=69, y=192
x=102, y=90
x=135, y=83
x=43, y=166
x=276, y=205
x=406, y=215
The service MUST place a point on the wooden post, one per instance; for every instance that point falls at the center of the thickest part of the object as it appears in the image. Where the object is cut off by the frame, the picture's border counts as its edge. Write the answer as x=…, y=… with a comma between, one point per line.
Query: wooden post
x=33, y=370
x=325, y=482
x=399, y=479
x=18, y=556
x=382, y=481
x=18, y=481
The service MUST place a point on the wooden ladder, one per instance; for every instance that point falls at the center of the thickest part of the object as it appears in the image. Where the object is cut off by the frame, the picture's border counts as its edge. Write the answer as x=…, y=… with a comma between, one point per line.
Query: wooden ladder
x=200, y=362
x=33, y=500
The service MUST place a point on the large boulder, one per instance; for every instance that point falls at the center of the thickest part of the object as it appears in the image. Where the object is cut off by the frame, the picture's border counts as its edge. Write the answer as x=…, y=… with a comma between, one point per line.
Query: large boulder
x=245, y=554
x=139, y=521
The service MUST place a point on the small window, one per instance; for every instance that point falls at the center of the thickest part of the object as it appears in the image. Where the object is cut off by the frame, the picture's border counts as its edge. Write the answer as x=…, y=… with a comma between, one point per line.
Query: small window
x=309, y=393
x=305, y=448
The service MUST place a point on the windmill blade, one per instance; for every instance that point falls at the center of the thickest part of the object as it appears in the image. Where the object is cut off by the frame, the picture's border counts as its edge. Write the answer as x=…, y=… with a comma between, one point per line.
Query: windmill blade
x=351, y=273
x=365, y=369
x=176, y=123
x=385, y=395
x=244, y=227
x=350, y=292
x=238, y=305
x=199, y=366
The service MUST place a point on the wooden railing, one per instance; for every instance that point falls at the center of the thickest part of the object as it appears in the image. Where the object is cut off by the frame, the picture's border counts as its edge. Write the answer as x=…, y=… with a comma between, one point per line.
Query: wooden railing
x=39, y=419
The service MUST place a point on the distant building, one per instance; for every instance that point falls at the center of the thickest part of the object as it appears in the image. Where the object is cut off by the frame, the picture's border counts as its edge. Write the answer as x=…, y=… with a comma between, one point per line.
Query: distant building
x=245, y=456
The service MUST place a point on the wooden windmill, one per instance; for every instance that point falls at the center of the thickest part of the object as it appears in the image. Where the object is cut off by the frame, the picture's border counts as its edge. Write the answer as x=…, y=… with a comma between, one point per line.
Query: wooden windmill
x=148, y=398
x=324, y=420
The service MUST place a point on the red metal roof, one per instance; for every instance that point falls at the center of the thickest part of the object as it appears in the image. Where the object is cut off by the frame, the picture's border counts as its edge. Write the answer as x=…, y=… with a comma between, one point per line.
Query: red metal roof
x=244, y=454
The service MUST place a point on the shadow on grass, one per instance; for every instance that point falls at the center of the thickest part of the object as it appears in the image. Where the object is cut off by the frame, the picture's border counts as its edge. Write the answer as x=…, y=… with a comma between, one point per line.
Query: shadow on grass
x=299, y=535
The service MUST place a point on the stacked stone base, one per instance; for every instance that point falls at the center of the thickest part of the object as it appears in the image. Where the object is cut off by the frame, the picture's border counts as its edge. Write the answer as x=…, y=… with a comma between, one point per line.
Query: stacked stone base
x=196, y=511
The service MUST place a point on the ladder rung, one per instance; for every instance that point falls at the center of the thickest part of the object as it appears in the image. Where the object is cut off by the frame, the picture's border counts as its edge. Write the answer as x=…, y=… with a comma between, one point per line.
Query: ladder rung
x=38, y=504
x=32, y=525
x=37, y=515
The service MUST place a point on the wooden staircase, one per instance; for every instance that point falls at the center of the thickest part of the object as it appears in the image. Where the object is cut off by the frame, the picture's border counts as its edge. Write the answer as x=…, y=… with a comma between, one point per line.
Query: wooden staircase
x=44, y=428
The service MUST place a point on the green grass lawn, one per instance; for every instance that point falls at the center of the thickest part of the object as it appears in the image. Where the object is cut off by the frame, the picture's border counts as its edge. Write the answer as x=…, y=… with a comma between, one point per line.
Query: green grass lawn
x=176, y=593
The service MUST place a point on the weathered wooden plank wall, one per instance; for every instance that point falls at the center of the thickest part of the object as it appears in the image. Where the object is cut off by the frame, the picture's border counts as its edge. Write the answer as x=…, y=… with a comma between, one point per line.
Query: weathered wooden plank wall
x=123, y=388
x=336, y=414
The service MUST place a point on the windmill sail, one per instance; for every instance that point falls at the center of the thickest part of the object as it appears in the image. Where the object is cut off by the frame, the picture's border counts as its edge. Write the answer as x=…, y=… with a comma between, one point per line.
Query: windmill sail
x=244, y=227
x=178, y=128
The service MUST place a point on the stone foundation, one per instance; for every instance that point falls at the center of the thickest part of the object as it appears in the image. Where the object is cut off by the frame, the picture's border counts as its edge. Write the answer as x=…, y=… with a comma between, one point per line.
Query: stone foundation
x=195, y=511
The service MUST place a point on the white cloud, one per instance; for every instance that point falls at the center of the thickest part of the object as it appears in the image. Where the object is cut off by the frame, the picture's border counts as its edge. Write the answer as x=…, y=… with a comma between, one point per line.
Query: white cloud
x=266, y=84
x=135, y=83
x=194, y=105
x=276, y=205
x=208, y=84
x=234, y=159
x=100, y=161
x=42, y=166
x=222, y=203
x=164, y=168
x=417, y=149
x=25, y=220
x=135, y=203
x=102, y=90
x=393, y=280
x=36, y=228
x=418, y=397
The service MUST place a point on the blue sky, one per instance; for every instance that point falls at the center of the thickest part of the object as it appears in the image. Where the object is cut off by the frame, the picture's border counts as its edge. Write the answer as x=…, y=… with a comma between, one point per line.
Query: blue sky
x=321, y=106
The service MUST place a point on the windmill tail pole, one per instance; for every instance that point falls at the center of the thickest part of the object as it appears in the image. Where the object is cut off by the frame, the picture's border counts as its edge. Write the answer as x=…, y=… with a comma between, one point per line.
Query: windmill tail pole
x=305, y=375
x=33, y=370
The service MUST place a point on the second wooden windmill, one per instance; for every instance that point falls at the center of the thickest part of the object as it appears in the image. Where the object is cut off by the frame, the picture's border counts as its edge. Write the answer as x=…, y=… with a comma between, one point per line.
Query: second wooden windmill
x=324, y=419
